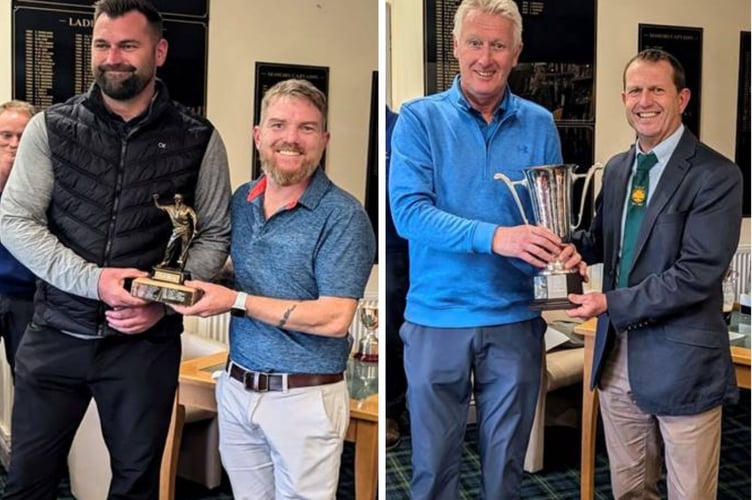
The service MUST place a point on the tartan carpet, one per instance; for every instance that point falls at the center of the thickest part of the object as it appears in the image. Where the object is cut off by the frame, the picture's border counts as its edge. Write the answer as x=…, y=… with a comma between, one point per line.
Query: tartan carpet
x=560, y=477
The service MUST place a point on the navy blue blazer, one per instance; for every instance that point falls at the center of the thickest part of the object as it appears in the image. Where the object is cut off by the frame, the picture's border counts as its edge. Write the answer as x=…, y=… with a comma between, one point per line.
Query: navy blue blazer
x=678, y=347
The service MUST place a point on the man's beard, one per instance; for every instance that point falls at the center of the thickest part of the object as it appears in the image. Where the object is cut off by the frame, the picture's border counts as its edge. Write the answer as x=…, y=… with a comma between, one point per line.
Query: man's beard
x=284, y=177
x=121, y=90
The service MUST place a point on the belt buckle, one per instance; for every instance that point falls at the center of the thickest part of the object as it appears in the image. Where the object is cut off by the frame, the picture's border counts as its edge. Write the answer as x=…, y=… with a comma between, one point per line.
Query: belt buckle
x=257, y=378
x=259, y=381
x=247, y=383
x=251, y=381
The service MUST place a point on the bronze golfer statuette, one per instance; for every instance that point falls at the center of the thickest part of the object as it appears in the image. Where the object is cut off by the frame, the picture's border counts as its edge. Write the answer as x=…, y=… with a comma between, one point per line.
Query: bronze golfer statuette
x=166, y=281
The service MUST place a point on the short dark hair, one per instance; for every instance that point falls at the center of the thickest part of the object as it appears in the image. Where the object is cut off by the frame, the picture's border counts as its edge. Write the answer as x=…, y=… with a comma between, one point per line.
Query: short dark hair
x=655, y=55
x=117, y=8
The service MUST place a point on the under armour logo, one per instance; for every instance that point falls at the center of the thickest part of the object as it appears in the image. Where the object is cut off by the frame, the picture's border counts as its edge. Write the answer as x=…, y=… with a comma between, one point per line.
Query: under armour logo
x=161, y=145
x=522, y=148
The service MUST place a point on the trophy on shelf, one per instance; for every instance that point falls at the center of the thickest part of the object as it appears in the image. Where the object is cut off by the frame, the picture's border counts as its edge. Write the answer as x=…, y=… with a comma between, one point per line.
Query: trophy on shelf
x=166, y=281
x=368, y=346
x=550, y=190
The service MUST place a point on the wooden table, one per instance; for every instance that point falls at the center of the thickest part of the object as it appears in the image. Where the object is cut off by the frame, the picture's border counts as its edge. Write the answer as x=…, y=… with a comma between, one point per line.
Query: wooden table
x=740, y=356
x=196, y=389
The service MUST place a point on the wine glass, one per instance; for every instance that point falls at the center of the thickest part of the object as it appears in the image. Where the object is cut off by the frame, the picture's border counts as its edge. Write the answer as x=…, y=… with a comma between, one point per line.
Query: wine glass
x=368, y=347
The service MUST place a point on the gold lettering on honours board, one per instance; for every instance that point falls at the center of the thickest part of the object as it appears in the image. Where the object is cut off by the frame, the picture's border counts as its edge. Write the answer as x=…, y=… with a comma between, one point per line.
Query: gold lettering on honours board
x=81, y=22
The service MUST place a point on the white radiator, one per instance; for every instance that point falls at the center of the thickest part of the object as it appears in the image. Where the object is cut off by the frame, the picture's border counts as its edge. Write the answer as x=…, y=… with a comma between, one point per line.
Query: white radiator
x=215, y=327
x=741, y=264
x=218, y=327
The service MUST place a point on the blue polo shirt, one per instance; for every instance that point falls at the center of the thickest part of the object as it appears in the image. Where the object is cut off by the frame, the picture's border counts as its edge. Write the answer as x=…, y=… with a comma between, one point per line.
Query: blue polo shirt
x=320, y=245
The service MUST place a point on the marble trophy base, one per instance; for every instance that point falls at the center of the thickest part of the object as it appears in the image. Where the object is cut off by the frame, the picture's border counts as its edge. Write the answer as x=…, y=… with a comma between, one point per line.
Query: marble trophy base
x=166, y=286
x=552, y=288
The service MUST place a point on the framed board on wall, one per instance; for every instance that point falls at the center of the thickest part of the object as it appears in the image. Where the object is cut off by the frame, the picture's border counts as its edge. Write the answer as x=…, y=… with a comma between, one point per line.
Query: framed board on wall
x=742, y=119
x=685, y=44
x=52, y=50
x=269, y=74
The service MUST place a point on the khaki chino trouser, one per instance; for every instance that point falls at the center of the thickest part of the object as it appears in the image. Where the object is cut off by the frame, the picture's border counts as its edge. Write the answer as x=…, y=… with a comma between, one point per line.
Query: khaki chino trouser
x=633, y=438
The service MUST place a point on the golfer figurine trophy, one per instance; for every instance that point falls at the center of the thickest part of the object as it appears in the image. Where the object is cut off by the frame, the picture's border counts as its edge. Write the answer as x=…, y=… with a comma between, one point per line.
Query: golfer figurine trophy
x=550, y=190
x=166, y=281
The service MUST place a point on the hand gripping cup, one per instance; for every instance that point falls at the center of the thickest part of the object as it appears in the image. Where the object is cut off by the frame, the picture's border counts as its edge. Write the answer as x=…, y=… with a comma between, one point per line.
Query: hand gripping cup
x=550, y=190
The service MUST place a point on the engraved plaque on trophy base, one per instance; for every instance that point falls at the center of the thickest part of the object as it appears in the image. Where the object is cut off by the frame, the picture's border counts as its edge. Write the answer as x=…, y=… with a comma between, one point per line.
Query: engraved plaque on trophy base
x=553, y=287
x=166, y=286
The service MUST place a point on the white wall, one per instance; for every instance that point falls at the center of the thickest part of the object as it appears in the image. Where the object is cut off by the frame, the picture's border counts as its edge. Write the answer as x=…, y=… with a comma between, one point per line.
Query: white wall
x=617, y=41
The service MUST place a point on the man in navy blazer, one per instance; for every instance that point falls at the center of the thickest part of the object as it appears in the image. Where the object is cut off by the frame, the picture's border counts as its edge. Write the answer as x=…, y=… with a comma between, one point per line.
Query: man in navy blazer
x=662, y=360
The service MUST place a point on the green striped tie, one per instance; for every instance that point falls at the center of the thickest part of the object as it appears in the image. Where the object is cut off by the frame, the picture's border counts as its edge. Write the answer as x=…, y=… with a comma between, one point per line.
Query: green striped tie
x=638, y=200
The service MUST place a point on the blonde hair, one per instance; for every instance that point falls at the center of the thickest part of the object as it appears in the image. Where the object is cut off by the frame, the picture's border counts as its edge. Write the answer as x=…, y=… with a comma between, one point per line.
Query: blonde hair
x=302, y=89
x=18, y=106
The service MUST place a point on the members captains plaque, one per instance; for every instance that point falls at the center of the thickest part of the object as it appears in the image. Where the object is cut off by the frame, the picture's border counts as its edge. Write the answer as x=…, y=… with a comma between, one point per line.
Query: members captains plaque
x=550, y=189
x=166, y=281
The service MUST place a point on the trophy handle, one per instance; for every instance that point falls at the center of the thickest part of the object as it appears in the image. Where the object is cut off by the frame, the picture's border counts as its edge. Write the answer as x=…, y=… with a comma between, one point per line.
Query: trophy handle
x=588, y=177
x=510, y=184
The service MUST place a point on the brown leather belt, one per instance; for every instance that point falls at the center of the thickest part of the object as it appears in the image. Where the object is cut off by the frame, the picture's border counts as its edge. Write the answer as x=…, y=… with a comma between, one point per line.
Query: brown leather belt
x=264, y=382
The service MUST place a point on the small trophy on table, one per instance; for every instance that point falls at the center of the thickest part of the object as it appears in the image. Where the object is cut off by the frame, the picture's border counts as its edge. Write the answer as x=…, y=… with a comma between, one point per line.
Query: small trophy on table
x=166, y=281
x=368, y=347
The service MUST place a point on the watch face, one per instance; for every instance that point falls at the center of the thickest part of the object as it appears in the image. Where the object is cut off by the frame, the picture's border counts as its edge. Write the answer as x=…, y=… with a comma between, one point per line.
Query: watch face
x=237, y=312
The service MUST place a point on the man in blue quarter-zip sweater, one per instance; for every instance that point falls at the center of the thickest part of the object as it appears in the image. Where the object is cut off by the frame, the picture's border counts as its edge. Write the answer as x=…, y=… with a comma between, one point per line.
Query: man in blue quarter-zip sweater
x=472, y=259
x=16, y=282
x=78, y=212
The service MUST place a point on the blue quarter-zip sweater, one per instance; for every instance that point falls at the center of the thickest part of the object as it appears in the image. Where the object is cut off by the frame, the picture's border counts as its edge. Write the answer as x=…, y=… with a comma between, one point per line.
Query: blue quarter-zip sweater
x=446, y=203
x=15, y=279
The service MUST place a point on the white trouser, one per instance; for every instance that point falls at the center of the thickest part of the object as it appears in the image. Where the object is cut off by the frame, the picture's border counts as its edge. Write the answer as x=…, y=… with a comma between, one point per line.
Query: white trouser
x=277, y=445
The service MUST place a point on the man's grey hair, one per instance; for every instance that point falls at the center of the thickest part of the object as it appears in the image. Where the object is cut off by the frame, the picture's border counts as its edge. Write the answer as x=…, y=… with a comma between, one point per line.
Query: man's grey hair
x=503, y=8
x=302, y=89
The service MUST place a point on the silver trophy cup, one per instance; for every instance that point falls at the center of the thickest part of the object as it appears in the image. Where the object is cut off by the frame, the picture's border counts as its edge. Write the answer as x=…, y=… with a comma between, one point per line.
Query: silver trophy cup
x=368, y=347
x=550, y=190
